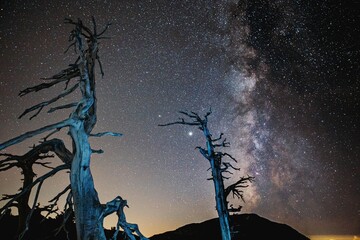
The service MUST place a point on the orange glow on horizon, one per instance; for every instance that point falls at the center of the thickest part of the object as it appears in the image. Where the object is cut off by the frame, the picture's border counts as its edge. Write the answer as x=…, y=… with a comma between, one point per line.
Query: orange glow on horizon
x=334, y=237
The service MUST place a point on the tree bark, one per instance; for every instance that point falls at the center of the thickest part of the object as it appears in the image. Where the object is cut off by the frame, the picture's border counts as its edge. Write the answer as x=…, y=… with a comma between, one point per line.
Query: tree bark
x=221, y=205
x=86, y=202
x=220, y=198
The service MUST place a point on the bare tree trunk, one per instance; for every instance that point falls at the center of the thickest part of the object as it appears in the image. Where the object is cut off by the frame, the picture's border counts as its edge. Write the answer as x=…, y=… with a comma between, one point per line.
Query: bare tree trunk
x=23, y=202
x=86, y=202
x=220, y=198
x=221, y=205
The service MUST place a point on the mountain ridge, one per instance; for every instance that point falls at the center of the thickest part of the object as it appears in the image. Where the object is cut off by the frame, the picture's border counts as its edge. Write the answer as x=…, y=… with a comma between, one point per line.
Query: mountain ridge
x=245, y=227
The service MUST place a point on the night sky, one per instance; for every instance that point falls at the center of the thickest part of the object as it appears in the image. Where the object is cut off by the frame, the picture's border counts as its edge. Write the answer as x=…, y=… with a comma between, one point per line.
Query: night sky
x=281, y=77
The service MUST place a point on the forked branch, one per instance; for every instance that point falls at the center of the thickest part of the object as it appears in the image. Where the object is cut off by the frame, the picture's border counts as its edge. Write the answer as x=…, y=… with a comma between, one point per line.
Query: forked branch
x=128, y=228
x=63, y=76
x=52, y=207
x=117, y=205
x=28, y=188
x=236, y=187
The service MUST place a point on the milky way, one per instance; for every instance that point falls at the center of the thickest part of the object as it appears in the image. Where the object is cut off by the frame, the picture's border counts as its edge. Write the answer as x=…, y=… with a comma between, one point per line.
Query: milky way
x=280, y=76
x=293, y=67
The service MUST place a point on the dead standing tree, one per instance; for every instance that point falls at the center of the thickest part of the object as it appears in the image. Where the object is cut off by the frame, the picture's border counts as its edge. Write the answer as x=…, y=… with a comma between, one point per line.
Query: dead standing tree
x=89, y=212
x=218, y=167
x=25, y=163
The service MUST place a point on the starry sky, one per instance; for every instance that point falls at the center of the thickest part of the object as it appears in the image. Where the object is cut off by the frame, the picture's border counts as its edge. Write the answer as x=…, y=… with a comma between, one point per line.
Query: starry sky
x=280, y=76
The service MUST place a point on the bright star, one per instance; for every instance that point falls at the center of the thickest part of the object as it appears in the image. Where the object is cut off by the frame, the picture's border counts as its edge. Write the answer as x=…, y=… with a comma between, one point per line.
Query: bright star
x=190, y=133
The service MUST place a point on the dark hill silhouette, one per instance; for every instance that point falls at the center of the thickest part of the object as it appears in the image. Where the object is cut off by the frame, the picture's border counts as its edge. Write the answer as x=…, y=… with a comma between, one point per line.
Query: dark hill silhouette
x=42, y=228
x=246, y=227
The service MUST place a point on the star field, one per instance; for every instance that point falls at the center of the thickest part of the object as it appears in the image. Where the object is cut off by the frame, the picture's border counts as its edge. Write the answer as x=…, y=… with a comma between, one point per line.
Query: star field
x=281, y=78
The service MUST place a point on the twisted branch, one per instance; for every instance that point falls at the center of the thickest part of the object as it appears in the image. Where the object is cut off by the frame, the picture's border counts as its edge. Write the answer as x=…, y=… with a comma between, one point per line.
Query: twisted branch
x=68, y=213
x=70, y=105
x=101, y=134
x=52, y=207
x=235, y=187
x=28, y=188
x=41, y=105
x=24, y=136
x=128, y=228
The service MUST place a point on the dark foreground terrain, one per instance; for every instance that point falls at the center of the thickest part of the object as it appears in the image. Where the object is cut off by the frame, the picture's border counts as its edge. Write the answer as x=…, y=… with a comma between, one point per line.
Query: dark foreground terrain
x=245, y=227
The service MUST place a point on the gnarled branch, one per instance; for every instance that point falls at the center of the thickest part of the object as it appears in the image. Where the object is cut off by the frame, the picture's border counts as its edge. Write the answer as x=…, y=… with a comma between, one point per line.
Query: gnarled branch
x=28, y=188
x=203, y=152
x=24, y=136
x=32, y=210
x=98, y=151
x=71, y=72
x=52, y=207
x=41, y=105
x=68, y=213
x=235, y=187
x=228, y=165
x=128, y=228
x=182, y=121
x=70, y=105
x=101, y=134
x=226, y=155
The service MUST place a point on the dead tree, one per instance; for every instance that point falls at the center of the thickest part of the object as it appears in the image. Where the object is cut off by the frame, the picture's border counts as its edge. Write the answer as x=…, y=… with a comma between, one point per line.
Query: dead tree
x=118, y=205
x=218, y=168
x=89, y=212
x=25, y=163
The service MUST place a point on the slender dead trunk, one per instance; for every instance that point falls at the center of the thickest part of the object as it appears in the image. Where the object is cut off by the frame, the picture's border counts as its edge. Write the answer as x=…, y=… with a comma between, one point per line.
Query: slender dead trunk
x=221, y=207
x=218, y=168
x=23, y=202
x=220, y=198
x=215, y=160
